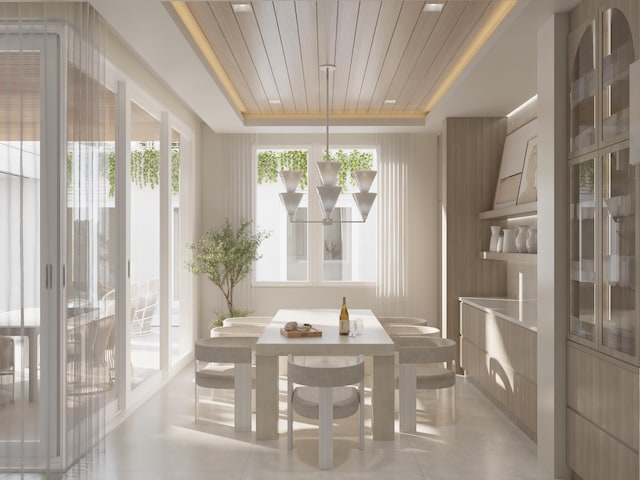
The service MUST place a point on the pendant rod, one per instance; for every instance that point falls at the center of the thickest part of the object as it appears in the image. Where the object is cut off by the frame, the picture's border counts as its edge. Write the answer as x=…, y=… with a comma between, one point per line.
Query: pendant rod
x=327, y=150
x=327, y=68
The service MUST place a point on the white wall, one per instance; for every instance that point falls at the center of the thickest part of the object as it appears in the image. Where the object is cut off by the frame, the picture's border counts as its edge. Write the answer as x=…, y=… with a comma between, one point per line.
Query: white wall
x=217, y=193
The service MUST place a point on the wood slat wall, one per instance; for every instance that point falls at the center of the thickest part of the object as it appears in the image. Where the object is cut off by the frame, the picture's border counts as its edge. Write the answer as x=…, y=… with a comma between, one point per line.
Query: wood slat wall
x=471, y=150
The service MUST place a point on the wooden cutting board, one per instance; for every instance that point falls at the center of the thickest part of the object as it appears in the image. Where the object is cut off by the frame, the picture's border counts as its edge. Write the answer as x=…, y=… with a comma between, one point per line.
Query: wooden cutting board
x=312, y=332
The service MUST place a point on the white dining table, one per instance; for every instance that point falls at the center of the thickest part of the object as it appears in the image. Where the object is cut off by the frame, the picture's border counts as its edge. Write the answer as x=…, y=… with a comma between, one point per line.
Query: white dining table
x=373, y=341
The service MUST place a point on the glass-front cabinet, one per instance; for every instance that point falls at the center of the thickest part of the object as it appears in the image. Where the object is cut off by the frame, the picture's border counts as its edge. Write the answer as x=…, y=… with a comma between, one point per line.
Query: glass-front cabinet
x=582, y=93
x=582, y=249
x=617, y=54
x=602, y=183
x=619, y=298
x=603, y=222
x=599, y=82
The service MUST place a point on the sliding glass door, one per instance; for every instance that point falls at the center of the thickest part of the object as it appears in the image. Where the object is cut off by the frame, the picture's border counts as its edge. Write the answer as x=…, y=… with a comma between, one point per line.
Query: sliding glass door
x=145, y=245
x=29, y=248
x=94, y=299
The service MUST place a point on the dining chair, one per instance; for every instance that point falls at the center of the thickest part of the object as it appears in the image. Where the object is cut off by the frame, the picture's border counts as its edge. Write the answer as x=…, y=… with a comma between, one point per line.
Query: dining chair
x=7, y=366
x=322, y=391
x=224, y=362
x=422, y=365
x=256, y=320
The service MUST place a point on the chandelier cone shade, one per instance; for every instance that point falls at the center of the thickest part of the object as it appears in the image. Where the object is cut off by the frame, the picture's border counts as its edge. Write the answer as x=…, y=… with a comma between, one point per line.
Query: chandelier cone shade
x=329, y=191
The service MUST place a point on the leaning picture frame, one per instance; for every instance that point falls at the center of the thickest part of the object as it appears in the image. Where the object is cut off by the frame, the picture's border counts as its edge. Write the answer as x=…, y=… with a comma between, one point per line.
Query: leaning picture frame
x=512, y=164
x=528, y=191
x=507, y=191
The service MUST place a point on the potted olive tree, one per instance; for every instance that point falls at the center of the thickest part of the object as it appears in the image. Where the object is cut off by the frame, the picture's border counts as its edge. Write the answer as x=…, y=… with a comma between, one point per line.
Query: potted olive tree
x=226, y=255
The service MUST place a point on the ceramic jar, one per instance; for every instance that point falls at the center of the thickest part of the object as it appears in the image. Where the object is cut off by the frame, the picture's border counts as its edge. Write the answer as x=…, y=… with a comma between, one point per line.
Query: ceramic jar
x=532, y=241
x=495, y=236
x=521, y=238
x=509, y=241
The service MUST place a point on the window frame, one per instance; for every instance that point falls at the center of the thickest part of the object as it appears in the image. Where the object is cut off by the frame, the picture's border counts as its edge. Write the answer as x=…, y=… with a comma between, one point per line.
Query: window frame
x=315, y=237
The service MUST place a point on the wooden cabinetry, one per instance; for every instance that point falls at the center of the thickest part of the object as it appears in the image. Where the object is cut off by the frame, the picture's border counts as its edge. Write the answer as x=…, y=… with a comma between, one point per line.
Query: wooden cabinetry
x=501, y=358
x=603, y=351
x=602, y=415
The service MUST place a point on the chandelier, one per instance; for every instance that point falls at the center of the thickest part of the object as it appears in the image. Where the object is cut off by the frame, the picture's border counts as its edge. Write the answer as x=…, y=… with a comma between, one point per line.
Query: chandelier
x=328, y=191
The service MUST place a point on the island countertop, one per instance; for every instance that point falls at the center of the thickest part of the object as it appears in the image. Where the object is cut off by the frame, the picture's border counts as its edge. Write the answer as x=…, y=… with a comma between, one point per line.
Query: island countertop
x=520, y=312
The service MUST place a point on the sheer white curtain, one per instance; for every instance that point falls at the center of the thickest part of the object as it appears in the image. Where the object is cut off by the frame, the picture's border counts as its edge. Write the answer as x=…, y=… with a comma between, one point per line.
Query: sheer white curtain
x=235, y=198
x=89, y=328
x=397, y=152
x=51, y=134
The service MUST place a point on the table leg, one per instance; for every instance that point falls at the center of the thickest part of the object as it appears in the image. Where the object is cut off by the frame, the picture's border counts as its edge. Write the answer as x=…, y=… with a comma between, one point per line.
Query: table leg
x=383, y=397
x=242, y=397
x=267, y=397
x=408, y=392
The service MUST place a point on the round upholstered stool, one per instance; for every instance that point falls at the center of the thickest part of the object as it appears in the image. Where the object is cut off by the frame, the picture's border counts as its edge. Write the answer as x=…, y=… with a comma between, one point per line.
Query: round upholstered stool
x=238, y=331
x=233, y=321
x=412, y=330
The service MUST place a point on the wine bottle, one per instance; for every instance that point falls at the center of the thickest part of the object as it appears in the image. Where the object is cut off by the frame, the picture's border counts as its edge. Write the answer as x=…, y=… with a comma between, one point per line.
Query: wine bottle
x=344, y=318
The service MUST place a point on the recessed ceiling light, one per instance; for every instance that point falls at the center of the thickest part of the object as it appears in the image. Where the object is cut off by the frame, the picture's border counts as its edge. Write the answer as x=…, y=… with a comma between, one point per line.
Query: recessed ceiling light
x=241, y=7
x=433, y=7
x=390, y=101
x=274, y=102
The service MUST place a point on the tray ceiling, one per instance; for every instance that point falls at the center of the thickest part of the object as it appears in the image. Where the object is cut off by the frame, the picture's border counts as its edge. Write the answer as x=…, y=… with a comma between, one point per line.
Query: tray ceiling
x=393, y=59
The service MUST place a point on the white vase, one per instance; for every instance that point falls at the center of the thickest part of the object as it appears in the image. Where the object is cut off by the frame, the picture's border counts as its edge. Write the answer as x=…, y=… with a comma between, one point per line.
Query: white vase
x=521, y=238
x=509, y=241
x=495, y=235
x=532, y=241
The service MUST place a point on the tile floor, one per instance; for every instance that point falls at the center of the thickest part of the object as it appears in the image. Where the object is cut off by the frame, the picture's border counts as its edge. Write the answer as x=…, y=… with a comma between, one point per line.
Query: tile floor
x=161, y=441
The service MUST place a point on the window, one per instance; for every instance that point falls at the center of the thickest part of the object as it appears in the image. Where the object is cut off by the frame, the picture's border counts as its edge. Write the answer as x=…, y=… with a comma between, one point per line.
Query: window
x=311, y=252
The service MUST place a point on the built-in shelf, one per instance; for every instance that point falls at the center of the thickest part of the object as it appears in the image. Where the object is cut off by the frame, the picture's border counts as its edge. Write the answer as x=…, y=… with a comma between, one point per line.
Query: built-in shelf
x=509, y=257
x=514, y=211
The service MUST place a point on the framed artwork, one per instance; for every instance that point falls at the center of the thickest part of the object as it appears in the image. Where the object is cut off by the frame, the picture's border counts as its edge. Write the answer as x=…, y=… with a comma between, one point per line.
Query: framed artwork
x=528, y=191
x=512, y=165
x=507, y=191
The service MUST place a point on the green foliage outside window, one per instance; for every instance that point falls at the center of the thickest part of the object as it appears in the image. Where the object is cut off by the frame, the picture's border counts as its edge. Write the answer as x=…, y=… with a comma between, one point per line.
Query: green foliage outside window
x=270, y=162
x=351, y=162
x=145, y=167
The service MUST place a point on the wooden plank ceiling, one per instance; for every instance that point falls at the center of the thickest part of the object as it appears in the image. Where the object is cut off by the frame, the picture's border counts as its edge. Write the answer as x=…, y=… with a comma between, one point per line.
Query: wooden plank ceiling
x=391, y=56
